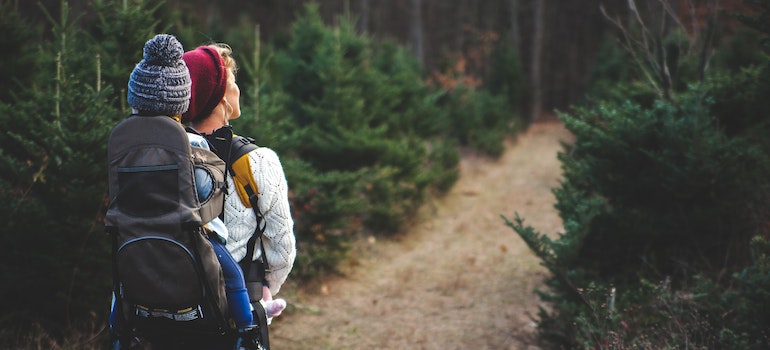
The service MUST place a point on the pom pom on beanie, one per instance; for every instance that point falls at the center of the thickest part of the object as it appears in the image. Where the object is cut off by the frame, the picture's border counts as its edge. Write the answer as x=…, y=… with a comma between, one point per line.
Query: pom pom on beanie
x=160, y=84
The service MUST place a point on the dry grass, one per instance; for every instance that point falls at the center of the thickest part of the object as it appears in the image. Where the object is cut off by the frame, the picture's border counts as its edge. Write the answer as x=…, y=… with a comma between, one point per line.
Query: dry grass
x=459, y=279
x=93, y=336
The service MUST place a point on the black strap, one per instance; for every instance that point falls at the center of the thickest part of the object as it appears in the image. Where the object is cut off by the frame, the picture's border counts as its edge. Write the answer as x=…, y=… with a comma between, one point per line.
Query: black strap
x=264, y=336
x=219, y=141
x=254, y=271
x=120, y=332
x=196, y=235
x=240, y=146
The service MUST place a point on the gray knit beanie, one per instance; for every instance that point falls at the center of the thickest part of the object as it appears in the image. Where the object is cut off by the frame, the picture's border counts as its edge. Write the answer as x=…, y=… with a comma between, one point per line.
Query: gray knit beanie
x=160, y=83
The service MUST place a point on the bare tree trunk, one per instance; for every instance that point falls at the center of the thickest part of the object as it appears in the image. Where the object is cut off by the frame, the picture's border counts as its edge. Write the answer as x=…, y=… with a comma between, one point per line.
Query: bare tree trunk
x=709, y=30
x=363, y=20
x=458, y=29
x=256, y=72
x=513, y=12
x=415, y=23
x=573, y=79
x=537, y=53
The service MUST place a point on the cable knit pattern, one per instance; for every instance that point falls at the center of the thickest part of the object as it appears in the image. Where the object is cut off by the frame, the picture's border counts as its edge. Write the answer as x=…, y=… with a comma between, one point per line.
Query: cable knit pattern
x=279, y=240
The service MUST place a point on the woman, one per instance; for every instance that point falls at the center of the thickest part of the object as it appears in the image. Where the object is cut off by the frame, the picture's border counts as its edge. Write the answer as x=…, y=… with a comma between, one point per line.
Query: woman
x=215, y=100
x=159, y=87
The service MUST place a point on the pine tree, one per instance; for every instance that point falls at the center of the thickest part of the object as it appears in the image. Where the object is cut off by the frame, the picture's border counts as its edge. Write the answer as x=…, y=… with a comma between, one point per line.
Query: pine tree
x=53, y=188
x=354, y=126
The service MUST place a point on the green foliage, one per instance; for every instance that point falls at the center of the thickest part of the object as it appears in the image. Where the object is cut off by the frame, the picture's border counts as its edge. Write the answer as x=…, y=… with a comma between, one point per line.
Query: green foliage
x=662, y=199
x=53, y=187
x=740, y=103
x=749, y=325
x=121, y=31
x=349, y=113
x=479, y=119
x=52, y=155
x=322, y=203
x=672, y=179
x=506, y=77
x=357, y=131
x=613, y=79
x=17, y=52
x=740, y=52
x=649, y=193
x=702, y=314
x=759, y=20
x=442, y=160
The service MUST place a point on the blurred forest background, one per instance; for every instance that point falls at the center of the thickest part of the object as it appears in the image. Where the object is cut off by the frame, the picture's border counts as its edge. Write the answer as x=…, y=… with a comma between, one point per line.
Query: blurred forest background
x=665, y=196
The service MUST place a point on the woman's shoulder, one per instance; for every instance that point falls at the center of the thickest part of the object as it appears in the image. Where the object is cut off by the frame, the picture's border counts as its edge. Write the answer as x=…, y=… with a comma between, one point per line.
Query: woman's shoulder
x=266, y=166
x=264, y=153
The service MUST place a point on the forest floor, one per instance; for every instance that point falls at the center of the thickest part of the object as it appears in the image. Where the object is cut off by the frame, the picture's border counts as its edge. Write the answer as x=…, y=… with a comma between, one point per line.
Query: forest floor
x=459, y=278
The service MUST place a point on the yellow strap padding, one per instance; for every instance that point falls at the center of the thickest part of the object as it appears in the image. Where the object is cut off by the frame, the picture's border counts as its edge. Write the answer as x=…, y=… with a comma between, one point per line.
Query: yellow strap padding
x=242, y=176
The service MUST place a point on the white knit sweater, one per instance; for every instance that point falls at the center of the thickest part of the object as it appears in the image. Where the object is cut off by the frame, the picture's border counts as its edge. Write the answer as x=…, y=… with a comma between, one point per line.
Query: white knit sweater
x=279, y=240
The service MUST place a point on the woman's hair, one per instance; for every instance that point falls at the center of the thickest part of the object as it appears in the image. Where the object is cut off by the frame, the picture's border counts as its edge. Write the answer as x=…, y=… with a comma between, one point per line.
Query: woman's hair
x=226, y=52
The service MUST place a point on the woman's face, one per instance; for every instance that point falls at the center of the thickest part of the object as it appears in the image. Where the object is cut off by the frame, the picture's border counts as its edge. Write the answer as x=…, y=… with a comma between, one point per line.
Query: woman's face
x=233, y=98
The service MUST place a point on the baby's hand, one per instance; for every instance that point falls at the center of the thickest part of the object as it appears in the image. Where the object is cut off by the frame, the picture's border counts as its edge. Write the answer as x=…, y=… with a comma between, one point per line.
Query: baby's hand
x=274, y=307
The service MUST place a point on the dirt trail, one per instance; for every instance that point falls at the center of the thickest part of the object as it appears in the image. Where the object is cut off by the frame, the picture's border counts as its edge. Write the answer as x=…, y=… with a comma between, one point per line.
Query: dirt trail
x=460, y=279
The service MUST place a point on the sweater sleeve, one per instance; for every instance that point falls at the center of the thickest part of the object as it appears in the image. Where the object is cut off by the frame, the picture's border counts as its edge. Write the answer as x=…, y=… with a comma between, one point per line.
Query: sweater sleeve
x=279, y=240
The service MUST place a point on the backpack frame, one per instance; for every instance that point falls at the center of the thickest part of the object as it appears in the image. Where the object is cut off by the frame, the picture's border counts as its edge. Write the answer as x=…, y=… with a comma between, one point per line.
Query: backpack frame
x=167, y=280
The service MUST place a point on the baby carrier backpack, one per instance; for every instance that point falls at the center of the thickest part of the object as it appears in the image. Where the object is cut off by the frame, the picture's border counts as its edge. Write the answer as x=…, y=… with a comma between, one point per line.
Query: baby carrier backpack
x=234, y=150
x=167, y=279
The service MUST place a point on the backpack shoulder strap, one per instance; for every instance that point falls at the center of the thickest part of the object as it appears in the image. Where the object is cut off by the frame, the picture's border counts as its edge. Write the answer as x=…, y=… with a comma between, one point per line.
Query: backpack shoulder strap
x=247, y=189
x=240, y=168
x=241, y=145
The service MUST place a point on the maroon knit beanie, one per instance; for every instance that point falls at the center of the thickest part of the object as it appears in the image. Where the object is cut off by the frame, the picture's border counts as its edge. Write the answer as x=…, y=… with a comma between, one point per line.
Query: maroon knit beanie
x=209, y=79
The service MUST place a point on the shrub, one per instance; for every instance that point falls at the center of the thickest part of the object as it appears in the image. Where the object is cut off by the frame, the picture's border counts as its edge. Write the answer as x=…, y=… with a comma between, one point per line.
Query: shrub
x=53, y=190
x=358, y=131
x=479, y=120
x=650, y=193
x=50, y=190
